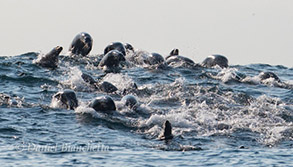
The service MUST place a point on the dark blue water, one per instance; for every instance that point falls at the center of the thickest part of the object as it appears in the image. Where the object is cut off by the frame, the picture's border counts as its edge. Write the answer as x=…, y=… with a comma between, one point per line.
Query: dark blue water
x=217, y=118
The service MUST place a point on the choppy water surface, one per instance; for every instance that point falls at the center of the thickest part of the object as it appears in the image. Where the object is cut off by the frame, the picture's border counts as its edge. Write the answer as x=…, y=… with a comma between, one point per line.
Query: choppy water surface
x=217, y=119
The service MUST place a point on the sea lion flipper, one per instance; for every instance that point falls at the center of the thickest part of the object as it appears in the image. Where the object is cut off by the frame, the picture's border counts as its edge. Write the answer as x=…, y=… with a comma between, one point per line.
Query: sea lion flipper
x=167, y=135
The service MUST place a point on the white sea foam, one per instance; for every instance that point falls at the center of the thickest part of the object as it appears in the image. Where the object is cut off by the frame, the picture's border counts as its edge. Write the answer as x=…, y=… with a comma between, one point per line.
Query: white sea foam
x=227, y=74
x=75, y=81
x=121, y=81
x=40, y=56
x=210, y=113
x=198, y=109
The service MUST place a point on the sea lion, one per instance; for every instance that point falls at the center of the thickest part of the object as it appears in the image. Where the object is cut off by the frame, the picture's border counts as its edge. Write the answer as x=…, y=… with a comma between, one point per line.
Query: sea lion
x=154, y=58
x=50, y=60
x=266, y=75
x=106, y=87
x=146, y=58
x=175, y=58
x=104, y=103
x=102, y=86
x=174, y=52
x=129, y=101
x=214, y=60
x=8, y=100
x=128, y=47
x=112, y=59
x=88, y=79
x=4, y=99
x=66, y=99
x=129, y=50
x=167, y=135
x=115, y=46
x=81, y=44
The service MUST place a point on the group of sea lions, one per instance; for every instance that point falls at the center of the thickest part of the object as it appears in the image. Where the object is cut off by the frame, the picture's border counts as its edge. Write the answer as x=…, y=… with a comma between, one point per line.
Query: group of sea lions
x=115, y=54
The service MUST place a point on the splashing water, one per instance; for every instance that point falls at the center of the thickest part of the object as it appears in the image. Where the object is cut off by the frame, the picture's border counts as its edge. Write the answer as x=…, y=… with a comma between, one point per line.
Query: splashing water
x=211, y=109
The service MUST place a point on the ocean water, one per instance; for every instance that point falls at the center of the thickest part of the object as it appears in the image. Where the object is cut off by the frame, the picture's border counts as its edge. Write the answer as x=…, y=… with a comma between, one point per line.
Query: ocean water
x=220, y=117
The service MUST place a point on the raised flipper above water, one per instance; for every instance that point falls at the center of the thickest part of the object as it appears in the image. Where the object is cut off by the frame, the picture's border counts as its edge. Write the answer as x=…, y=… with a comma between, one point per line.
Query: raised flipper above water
x=174, y=52
x=167, y=135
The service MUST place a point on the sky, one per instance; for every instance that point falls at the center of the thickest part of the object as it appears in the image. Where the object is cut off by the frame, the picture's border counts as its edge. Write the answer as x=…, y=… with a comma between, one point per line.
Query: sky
x=245, y=31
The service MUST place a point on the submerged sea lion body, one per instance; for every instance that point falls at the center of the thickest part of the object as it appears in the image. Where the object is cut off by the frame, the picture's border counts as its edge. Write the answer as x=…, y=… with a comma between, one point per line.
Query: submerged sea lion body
x=267, y=75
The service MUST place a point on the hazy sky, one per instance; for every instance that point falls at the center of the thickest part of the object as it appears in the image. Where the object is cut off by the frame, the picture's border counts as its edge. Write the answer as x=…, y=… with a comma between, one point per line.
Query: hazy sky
x=245, y=31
